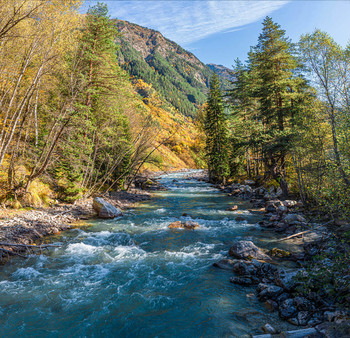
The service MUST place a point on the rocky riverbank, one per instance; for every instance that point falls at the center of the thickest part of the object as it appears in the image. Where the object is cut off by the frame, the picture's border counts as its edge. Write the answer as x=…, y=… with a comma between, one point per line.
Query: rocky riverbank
x=315, y=294
x=28, y=227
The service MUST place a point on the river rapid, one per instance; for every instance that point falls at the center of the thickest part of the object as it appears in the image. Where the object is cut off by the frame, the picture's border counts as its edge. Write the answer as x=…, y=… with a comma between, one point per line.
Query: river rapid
x=133, y=277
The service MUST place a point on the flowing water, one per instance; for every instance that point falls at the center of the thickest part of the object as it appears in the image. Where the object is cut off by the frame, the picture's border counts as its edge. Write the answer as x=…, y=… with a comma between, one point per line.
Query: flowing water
x=133, y=277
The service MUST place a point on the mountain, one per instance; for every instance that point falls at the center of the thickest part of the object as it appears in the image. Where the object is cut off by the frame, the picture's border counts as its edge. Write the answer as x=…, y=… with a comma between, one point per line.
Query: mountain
x=222, y=71
x=176, y=74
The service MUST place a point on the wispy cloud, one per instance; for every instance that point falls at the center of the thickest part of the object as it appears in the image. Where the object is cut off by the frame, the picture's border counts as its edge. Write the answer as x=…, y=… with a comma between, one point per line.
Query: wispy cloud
x=189, y=21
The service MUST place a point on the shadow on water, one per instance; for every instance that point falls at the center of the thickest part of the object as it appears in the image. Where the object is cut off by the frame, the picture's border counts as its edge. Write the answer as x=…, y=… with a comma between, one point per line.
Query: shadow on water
x=134, y=277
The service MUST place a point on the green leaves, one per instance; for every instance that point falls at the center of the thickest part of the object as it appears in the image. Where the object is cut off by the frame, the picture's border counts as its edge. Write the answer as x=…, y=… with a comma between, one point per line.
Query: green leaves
x=215, y=126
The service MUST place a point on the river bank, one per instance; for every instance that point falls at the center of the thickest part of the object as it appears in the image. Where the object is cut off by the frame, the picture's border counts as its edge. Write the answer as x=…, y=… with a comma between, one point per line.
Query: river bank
x=315, y=293
x=32, y=226
x=28, y=227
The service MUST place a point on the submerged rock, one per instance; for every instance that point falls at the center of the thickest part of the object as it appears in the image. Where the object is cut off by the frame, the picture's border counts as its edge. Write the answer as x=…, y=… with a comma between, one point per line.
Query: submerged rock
x=247, y=250
x=225, y=264
x=105, y=209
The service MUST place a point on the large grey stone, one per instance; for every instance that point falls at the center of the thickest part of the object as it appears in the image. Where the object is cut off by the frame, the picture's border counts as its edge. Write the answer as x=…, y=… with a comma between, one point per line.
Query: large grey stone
x=285, y=279
x=247, y=250
x=271, y=292
x=294, y=218
x=105, y=209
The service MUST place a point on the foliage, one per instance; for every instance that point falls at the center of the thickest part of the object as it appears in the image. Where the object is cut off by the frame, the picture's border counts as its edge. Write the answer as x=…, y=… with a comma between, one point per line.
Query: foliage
x=215, y=126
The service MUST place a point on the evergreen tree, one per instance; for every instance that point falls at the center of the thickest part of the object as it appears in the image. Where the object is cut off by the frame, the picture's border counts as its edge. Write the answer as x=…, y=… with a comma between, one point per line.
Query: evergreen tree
x=243, y=118
x=103, y=135
x=280, y=91
x=216, y=134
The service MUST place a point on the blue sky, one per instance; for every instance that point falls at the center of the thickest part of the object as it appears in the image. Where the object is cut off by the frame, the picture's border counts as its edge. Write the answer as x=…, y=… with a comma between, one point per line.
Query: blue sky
x=220, y=31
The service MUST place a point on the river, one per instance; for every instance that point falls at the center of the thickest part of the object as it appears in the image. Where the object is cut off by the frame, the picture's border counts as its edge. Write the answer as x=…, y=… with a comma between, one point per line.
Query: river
x=133, y=277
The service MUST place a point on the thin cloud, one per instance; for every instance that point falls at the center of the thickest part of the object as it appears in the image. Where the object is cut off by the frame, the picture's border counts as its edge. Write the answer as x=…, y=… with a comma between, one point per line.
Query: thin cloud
x=190, y=21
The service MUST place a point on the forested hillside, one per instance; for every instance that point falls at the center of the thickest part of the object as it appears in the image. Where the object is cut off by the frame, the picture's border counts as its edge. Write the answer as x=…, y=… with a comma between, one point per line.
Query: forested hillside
x=72, y=122
x=177, y=75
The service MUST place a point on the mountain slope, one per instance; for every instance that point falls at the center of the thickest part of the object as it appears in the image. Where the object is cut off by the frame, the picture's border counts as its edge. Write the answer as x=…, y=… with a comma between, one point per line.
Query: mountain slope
x=222, y=71
x=177, y=75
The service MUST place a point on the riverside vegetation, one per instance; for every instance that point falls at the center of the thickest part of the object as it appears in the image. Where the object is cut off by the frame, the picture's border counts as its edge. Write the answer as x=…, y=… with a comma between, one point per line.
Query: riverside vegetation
x=287, y=127
x=86, y=104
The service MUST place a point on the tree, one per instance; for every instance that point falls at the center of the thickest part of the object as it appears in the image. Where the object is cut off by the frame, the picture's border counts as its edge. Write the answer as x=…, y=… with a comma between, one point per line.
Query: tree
x=279, y=90
x=216, y=134
x=330, y=69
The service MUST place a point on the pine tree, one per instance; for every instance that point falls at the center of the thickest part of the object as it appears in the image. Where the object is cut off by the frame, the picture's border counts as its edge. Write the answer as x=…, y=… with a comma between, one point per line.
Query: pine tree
x=216, y=134
x=280, y=91
x=104, y=135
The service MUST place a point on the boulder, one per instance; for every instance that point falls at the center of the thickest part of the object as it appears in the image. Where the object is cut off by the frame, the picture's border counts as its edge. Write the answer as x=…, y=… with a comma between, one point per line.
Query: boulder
x=294, y=219
x=105, y=209
x=247, y=250
x=175, y=225
x=243, y=268
x=287, y=309
x=289, y=203
x=303, y=317
x=286, y=280
x=249, y=182
x=272, y=205
x=232, y=208
x=271, y=292
x=190, y=225
x=302, y=304
x=282, y=209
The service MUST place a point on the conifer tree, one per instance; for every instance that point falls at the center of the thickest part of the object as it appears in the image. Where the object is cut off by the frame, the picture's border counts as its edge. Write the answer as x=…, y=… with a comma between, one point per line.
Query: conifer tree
x=280, y=91
x=104, y=135
x=216, y=134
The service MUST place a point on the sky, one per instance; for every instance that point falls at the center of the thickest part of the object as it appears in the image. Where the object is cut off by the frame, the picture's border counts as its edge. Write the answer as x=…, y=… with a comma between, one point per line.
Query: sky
x=223, y=30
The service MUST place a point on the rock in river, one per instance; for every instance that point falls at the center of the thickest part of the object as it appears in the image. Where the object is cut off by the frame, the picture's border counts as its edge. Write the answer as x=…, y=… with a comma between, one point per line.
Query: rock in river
x=105, y=209
x=247, y=250
x=190, y=225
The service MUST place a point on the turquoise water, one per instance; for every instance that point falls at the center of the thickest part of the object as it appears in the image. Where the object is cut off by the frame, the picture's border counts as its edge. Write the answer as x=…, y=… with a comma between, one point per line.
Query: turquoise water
x=133, y=277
